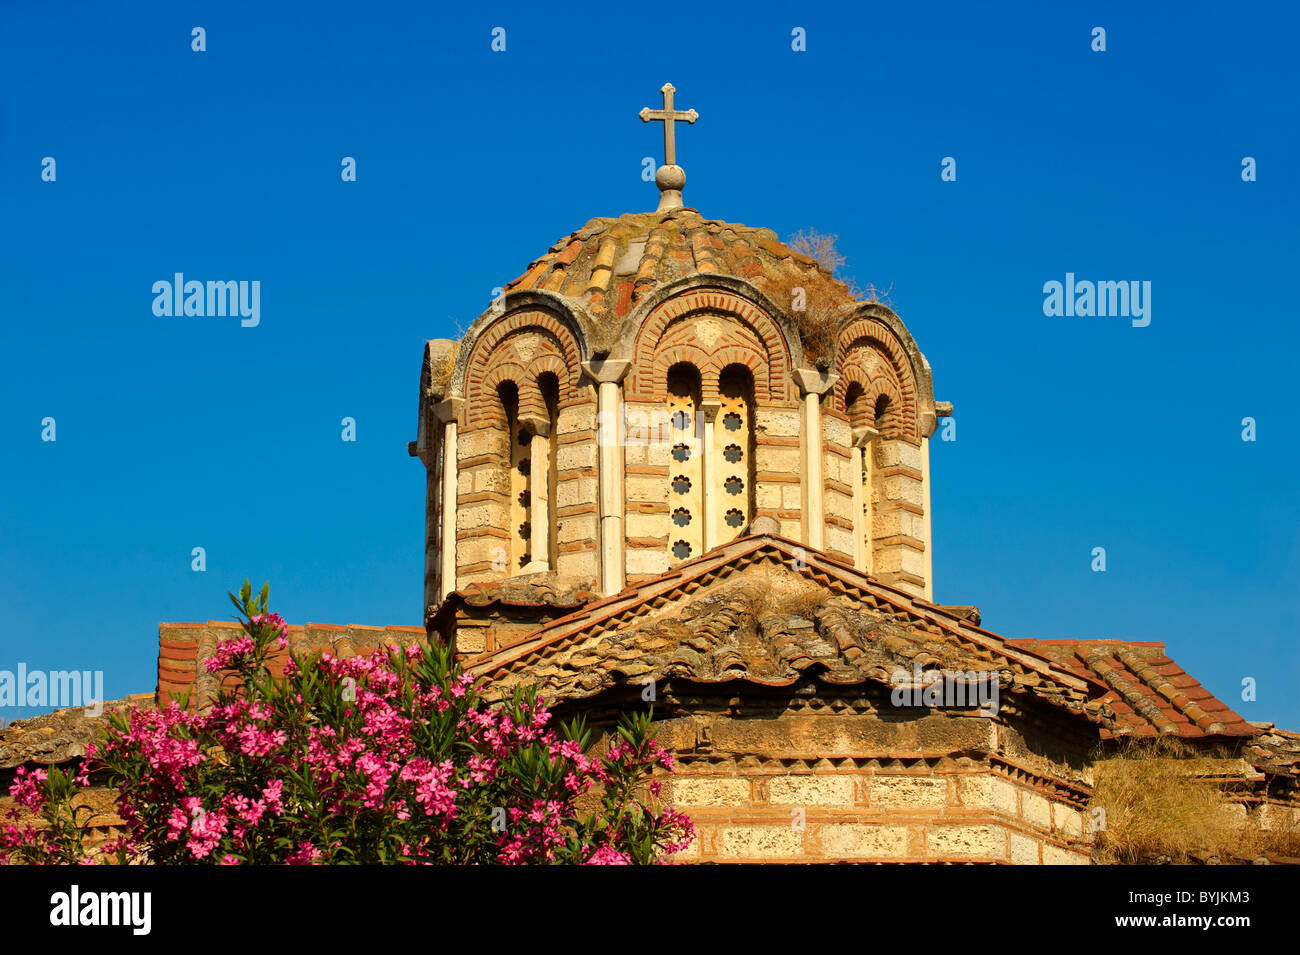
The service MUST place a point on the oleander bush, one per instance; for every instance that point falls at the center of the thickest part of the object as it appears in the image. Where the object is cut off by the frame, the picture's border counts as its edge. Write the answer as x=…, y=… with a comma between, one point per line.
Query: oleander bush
x=393, y=757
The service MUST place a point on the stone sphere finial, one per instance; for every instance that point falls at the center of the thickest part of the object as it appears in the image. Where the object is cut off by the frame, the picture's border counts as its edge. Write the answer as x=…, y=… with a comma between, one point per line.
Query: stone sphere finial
x=670, y=180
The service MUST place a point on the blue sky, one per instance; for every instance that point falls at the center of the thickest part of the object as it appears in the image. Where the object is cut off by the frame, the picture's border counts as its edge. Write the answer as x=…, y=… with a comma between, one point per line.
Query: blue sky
x=1072, y=433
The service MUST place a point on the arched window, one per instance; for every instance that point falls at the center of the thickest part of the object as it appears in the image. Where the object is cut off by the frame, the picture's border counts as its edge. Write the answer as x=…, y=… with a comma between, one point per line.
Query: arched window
x=733, y=451
x=862, y=419
x=881, y=419
x=520, y=471
x=685, y=467
x=550, y=388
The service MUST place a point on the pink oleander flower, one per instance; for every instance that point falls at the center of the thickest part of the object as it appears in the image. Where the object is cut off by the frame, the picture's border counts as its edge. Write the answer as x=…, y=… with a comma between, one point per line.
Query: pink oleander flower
x=27, y=788
x=607, y=855
x=306, y=854
x=230, y=654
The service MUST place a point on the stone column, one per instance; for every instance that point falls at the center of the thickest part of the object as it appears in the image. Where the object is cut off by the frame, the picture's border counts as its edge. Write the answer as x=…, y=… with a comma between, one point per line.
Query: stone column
x=929, y=540
x=812, y=385
x=448, y=412
x=710, y=475
x=608, y=376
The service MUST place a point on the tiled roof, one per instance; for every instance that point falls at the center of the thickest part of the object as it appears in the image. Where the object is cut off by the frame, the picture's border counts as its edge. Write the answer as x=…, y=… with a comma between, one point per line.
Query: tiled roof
x=688, y=624
x=58, y=736
x=529, y=590
x=766, y=611
x=611, y=264
x=1150, y=693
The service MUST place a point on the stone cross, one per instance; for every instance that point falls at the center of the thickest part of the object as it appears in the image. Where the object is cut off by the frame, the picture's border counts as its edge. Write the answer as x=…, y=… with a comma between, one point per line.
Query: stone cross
x=667, y=116
x=670, y=177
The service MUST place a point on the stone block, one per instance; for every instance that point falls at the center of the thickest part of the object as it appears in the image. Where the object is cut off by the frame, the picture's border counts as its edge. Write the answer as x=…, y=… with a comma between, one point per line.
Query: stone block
x=581, y=490
x=909, y=792
x=811, y=791
x=987, y=791
x=760, y=842
x=642, y=561
x=985, y=842
x=902, y=487
x=481, y=514
x=571, y=457
x=1056, y=855
x=890, y=453
x=708, y=791
x=778, y=422
x=471, y=640
x=853, y=840
x=646, y=525
x=584, y=564
x=576, y=418
x=785, y=460
x=1024, y=850
x=479, y=441
x=644, y=489
x=582, y=527
x=1036, y=809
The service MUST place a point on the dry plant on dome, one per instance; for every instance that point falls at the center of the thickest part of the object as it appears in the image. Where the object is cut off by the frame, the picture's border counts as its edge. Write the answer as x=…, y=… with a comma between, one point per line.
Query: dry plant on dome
x=783, y=592
x=440, y=368
x=1163, y=804
x=818, y=304
x=825, y=297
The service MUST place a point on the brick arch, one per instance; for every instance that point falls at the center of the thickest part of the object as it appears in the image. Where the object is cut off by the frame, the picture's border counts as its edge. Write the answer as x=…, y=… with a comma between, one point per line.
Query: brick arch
x=894, y=424
x=747, y=335
x=556, y=349
x=691, y=355
x=893, y=377
x=854, y=376
x=524, y=380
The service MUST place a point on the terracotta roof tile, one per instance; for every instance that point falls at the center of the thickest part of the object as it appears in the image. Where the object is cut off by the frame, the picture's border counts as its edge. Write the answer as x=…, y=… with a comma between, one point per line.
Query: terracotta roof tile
x=1155, y=694
x=642, y=251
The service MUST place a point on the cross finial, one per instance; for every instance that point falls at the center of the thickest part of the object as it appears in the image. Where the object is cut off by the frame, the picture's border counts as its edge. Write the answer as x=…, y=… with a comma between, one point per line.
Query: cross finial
x=670, y=177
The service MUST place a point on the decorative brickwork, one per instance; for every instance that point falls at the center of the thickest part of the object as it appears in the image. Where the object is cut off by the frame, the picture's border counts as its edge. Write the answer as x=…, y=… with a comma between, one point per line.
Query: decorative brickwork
x=711, y=329
x=497, y=510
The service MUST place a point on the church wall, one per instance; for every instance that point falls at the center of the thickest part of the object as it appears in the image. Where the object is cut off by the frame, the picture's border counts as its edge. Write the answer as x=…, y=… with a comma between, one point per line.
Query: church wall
x=646, y=460
x=875, y=368
x=520, y=352
x=862, y=811
x=577, y=488
x=776, y=458
x=837, y=478
x=822, y=780
x=483, y=500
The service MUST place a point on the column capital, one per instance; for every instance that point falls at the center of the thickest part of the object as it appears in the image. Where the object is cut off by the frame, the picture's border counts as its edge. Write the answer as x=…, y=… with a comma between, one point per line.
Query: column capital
x=864, y=436
x=536, y=425
x=449, y=409
x=602, y=370
x=812, y=381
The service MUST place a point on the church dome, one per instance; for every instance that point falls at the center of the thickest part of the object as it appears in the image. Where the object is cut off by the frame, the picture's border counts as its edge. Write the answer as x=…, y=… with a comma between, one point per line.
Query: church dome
x=612, y=264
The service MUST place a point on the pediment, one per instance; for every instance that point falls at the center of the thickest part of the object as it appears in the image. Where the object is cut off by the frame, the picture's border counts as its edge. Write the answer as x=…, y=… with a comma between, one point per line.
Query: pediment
x=765, y=611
